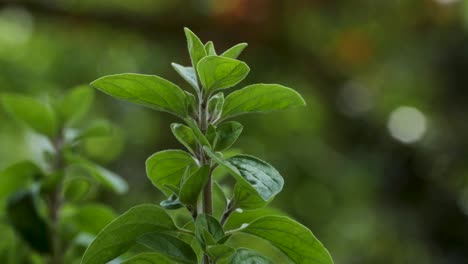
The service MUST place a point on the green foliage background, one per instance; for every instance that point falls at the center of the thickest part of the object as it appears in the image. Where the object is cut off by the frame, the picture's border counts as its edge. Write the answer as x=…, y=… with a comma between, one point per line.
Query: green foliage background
x=367, y=196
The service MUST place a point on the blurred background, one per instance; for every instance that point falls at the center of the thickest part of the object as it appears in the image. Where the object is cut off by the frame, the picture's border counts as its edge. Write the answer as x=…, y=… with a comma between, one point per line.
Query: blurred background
x=376, y=164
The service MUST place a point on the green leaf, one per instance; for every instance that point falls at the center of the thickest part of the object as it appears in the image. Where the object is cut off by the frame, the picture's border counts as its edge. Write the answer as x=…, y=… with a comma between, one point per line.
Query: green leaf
x=220, y=73
x=248, y=198
x=147, y=90
x=234, y=51
x=148, y=258
x=208, y=228
x=172, y=202
x=99, y=128
x=210, y=49
x=36, y=115
x=259, y=98
x=244, y=255
x=252, y=172
x=122, y=233
x=88, y=218
x=241, y=217
x=195, y=47
x=219, y=251
x=169, y=246
x=191, y=188
x=211, y=134
x=293, y=239
x=199, y=136
x=188, y=74
x=192, y=106
x=185, y=136
x=76, y=189
x=18, y=176
x=106, y=177
x=215, y=106
x=227, y=134
x=23, y=214
x=75, y=104
x=168, y=167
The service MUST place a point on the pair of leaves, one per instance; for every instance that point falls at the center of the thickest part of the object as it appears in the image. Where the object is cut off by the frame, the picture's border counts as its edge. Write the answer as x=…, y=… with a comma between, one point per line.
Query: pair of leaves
x=142, y=224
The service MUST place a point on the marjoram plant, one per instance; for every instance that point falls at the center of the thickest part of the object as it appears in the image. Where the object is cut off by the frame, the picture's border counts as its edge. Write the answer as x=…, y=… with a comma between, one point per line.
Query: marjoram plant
x=149, y=233
x=48, y=202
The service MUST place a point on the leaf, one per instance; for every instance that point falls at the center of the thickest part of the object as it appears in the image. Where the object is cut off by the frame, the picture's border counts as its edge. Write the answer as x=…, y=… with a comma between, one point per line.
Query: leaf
x=293, y=239
x=185, y=136
x=192, y=187
x=99, y=128
x=227, y=134
x=244, y=255
x=215, y=106
x=26, y=219
x=252, y=172
x=148, y=258
x=88, y=218
x=217, y=72
x=210, y=49
x=18, y=176
x=147, y=90
x=172, y=202
x=75, y=104
x=248, y=198
x=169, y=246
x=106, y=177
x=214, y=230
x=239, y=218
x=219, y=251
x=195, y=47
x=199, y=136
x=192, y=106
x=258, y=98
x=168, y=167
x=122, y=233
x=234, y=51
x=36, y=115
x=188, y=74
x=76, y=189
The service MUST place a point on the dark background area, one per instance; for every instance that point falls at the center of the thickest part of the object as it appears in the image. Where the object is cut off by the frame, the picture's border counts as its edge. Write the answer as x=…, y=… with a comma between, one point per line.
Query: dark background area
x=376, y=164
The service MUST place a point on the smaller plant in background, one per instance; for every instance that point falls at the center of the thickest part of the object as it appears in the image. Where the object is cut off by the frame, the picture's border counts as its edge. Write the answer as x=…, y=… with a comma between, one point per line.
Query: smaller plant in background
x=206, y=228
x=48, y=205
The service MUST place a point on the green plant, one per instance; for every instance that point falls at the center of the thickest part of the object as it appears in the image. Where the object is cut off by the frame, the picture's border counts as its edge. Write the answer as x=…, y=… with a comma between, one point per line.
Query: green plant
x=47, y=203
x=149, y=233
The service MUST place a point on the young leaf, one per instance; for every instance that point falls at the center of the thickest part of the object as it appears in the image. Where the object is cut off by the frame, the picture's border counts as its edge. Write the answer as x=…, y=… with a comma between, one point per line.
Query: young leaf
x=192, y=107
x=244, y=255
x=252, y=172
x=219, y=251
x=201, y=139
x=168, y=167
x=261, y=98
x=219, y=201
x=213, y=228
x=36, y=115
x=122, y=233
x=103, y=175
x=148, y=258
x=169, y=246
x=295, y=240
x=215, y=106
x=217, y=72
x=195, y=47
x=188, y=73
x=89, y=218
x=172, y=202
x=147, y=90
x=75, y=104
x=227, y=134
x=210, y=49
x=185, y=136
x=191, y=188
x=234, y=51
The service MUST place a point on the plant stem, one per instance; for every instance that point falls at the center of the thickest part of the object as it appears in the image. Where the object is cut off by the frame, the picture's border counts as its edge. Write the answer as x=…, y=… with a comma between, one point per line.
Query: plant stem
x=55, y=201
x=229, y=210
